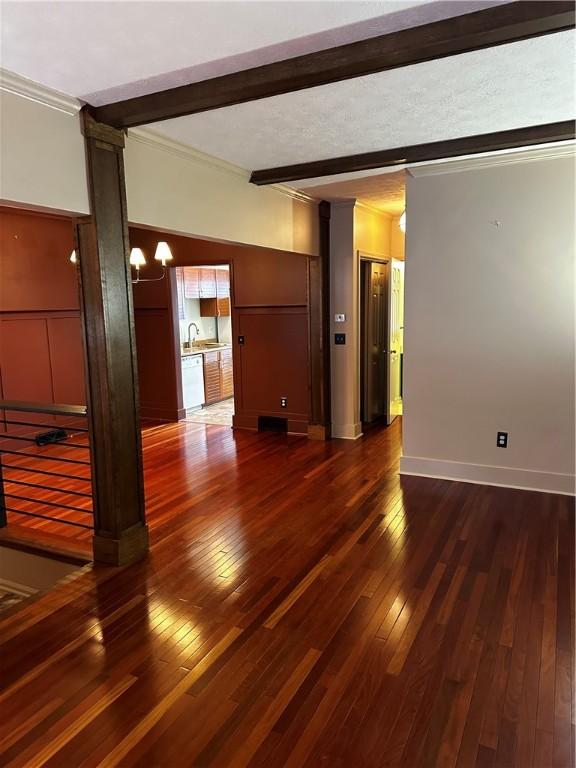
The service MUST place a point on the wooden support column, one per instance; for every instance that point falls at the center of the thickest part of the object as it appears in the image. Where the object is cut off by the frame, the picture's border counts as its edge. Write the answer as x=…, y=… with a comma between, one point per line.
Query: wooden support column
x=120, y=532
x=320, y=421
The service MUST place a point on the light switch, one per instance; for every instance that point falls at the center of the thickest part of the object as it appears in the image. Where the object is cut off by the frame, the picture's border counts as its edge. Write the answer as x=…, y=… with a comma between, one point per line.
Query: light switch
x=339, y=318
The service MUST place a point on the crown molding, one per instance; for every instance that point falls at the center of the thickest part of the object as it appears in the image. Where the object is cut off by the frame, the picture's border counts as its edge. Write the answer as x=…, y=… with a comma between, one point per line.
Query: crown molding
x=186, y=152
x=10, y=82
x=295, y=194
x=373, y=209
x=492, y=160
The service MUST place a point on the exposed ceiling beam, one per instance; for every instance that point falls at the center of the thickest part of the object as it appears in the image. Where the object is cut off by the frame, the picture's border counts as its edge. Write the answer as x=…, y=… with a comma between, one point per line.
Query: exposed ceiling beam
x=436, y=150
x=498, y=25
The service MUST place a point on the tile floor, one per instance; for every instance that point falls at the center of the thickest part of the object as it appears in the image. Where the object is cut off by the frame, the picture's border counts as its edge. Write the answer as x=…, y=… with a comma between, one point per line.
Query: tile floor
x=219, y=413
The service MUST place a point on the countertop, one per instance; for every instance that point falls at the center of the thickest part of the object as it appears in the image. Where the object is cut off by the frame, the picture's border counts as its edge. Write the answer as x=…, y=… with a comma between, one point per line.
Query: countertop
x=199, y=350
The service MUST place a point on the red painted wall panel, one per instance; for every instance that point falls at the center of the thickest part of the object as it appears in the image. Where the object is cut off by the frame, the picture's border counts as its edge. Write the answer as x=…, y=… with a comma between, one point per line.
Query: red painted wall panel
x=35, y=271
x=274, y=363
x=26, y=372
x=156, y=369
x=41, y=355
x=67, y=360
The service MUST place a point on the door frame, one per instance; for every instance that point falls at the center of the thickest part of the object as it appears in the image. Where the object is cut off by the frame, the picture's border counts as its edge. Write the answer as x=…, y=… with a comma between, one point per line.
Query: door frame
x=176, y=319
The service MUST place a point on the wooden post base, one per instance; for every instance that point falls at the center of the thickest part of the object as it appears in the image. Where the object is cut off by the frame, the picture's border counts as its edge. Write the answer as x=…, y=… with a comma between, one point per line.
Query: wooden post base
x=131, y=547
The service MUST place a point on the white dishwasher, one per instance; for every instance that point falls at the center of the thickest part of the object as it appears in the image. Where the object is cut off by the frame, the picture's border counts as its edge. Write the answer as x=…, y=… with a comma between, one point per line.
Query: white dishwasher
x=193, y=381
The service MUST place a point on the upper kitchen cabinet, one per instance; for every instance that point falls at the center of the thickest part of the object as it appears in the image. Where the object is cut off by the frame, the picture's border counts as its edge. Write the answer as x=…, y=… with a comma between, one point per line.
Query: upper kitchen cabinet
x=222, y=283
x=200, y=283
x=207, y=283
x=191, y=282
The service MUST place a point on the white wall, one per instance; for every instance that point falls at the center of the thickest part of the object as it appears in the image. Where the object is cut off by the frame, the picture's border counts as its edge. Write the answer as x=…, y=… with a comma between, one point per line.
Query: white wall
x=175, y=188
x=170, y=186
x=42, y=161
x=489, y=325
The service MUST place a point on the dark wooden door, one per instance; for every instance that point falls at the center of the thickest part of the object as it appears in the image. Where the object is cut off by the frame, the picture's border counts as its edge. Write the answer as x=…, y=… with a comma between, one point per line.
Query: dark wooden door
x=373, y=340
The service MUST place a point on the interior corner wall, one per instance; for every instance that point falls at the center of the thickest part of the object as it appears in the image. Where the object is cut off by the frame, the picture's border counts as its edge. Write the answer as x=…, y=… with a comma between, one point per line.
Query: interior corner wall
x=372, y=231
x=42, y=160
x=489, y=325
x=397, y=239
x=178, y=191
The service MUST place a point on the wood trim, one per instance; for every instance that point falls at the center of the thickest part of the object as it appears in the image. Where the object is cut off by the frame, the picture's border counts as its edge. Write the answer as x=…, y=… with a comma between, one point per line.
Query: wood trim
x=498, y=25
x=121, y=535
x=319, y=275
x=418, y=153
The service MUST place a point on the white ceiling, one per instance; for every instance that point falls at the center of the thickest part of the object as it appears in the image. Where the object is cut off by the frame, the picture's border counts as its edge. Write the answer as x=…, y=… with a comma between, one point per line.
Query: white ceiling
x=386, y=191
x=510, y=86
x=105, y=51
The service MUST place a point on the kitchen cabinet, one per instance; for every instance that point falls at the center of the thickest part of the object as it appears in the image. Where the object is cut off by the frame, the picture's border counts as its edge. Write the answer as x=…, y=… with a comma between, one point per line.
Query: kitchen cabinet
x=206, y=283
x=218, y=375
x=222, y=283
x=191, y=282
x=214, y=307
x=226, y=374
x=212, y=377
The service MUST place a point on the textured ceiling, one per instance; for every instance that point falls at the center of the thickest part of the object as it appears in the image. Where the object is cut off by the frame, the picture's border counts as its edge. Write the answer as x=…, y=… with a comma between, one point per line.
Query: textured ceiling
x=385, y=191
x=105, y=51
x=500, y=88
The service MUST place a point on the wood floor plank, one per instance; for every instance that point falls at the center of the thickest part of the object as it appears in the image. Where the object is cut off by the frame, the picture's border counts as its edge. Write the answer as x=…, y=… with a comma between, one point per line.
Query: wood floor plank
x=303, y=605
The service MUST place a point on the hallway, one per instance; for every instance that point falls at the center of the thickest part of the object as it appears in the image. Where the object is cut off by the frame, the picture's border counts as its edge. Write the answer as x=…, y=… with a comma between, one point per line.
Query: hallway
x=303, y=605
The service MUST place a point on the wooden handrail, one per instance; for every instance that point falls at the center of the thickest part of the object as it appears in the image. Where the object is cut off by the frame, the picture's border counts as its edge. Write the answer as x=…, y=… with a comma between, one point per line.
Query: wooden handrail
x=50, y=408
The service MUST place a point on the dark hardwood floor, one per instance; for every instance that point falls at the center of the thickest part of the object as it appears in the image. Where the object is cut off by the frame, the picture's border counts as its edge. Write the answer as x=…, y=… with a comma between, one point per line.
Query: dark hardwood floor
x=303, y=605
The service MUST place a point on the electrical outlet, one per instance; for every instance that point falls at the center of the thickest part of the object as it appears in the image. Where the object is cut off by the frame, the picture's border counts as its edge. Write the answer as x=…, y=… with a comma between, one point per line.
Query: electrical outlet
x=283, y=402
x=339, y=338
x=502, y=439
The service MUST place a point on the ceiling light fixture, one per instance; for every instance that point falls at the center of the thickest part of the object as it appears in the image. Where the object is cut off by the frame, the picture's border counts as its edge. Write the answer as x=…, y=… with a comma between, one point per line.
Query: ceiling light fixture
x=402, y=222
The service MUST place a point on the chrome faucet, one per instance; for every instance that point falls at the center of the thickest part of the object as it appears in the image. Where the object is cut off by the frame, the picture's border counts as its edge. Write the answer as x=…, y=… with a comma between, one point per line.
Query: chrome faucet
x=188, y=345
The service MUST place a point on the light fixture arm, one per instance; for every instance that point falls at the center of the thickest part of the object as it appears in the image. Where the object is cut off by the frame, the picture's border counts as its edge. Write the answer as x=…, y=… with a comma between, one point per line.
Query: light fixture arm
x=149, y=279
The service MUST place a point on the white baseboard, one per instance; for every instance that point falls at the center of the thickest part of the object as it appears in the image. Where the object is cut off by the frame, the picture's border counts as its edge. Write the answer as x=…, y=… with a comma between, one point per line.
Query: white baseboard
x=508, y=477
x=347, y=431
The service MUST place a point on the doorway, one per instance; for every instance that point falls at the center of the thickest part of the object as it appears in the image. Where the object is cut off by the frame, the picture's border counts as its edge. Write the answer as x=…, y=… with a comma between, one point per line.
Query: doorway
x=204, y=315
x=381, y=338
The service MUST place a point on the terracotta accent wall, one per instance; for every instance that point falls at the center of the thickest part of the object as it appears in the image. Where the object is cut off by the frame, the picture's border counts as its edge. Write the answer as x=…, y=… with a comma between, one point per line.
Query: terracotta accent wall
x=269, y=308
x=41, y=355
